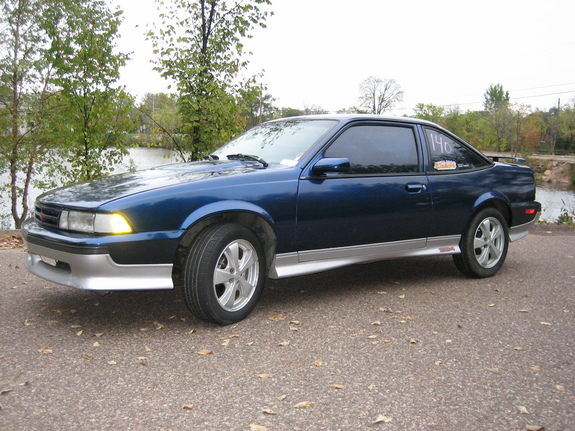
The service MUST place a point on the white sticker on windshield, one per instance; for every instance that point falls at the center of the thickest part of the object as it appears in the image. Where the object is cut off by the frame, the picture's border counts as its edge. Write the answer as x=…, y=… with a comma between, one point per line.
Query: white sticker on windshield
x=288, y=162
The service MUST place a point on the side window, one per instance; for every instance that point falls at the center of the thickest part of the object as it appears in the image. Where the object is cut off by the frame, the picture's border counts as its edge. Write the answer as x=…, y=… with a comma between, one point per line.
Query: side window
x=450, y=155
x=377, y=149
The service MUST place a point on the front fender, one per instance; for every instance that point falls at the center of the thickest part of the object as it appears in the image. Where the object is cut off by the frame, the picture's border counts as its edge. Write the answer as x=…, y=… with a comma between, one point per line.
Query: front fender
x=224, y=207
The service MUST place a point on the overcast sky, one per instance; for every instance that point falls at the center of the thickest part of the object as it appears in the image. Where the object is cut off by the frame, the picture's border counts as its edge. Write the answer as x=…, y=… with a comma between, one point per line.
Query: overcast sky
x=444, y=52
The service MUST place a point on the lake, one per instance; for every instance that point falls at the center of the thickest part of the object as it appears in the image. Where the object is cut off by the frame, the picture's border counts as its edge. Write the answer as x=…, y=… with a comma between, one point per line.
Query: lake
x=553, y=200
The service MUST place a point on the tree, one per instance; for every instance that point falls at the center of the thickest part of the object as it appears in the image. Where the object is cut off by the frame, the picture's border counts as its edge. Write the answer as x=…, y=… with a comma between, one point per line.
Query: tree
x=159, y=120
x=429, y=112
x=495, y=98
x=24, y=99
x=86, y=69
x=200, y=47
x=379, y=95
x=500, y=120
x=567, y=126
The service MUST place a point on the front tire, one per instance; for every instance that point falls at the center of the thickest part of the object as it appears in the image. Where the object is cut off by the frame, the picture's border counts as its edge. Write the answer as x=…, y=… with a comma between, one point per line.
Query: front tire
x=224, y=273
x=484, y=245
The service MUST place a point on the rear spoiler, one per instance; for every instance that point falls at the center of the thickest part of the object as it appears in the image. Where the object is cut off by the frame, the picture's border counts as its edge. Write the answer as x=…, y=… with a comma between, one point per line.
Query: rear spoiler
x=515, y=159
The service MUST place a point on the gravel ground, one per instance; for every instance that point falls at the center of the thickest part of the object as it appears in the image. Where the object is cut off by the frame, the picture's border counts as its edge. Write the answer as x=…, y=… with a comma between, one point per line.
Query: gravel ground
x=397, y=345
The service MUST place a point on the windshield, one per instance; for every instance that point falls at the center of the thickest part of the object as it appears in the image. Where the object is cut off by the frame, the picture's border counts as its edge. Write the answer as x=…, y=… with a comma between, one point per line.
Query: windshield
x=282, y=142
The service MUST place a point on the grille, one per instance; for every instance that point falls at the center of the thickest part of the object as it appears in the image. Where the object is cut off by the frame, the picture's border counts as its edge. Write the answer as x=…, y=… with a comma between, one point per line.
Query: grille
x=47, y=216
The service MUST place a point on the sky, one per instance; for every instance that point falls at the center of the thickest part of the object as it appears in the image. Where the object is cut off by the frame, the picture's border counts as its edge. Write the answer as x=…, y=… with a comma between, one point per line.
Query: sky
x=441, y=52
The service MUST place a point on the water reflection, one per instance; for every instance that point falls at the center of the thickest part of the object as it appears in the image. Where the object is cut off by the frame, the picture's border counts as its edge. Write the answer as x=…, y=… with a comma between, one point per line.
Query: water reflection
x=554, y=201
x=553, y=198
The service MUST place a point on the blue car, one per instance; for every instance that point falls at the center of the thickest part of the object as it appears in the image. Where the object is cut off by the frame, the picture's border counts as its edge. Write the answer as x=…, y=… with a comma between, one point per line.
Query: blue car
x=289, y=197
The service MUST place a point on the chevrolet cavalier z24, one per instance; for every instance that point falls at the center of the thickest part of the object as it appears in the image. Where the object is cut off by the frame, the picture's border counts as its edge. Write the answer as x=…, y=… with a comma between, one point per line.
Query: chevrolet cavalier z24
x=289, y=197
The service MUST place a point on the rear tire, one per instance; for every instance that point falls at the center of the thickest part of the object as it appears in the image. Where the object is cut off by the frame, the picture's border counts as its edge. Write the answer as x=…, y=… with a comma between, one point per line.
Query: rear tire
x=224, y=273
x=483, y=245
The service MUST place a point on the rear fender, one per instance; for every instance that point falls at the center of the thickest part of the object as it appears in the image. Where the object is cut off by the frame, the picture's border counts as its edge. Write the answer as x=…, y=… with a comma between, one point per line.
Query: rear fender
x=496, y=200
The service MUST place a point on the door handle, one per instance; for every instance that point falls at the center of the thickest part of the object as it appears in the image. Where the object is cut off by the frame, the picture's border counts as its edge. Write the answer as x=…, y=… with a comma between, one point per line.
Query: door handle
x=415, y=188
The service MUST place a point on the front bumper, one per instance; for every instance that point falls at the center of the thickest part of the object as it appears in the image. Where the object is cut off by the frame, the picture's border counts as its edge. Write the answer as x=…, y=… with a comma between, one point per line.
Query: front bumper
x=95, y=271
x=89, y=265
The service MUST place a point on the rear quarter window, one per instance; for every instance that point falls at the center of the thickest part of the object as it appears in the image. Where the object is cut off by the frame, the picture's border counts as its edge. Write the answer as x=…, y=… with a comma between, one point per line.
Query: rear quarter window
x=446, y=154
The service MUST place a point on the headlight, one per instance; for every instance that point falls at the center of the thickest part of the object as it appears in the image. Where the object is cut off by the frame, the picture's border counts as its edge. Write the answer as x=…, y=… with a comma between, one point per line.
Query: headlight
x=84, y=221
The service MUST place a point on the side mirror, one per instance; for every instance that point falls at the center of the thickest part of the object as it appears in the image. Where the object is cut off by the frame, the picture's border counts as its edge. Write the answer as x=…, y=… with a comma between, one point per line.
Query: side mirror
x=337, y=165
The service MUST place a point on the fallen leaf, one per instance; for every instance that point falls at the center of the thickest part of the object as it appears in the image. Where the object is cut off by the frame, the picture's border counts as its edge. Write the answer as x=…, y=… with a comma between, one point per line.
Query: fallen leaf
x=269, y=412
x=294, y=322
x=524, y=311
x=5, y=391
x=254, y=427
x=192, y=331
x=205, y=352
x=402, y=296
x=494, y=370
x=534, y=428
x=318, y=363
x=88, y=357
x=519, y=349
x=285, y=343
x=372, y=336
x=336, y=386
x=282, y=397
x=79, y=333
x=264, y=376
x=546, y=323
x=112, y=362
x=96, y=344
x=523, y=410
x=302, y=405
x=187, y=407
x=383, y=419
x=376, y=323
x=277, y=317
x=46, y=351
x=561, y=388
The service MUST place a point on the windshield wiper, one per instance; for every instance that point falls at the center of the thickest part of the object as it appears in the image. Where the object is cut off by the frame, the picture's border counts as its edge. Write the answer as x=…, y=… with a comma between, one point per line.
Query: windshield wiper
x=211, y=157
x=243, y=157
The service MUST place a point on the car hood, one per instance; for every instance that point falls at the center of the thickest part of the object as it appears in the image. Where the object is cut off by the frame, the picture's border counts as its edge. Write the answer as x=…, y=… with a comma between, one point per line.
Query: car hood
x=102, y=190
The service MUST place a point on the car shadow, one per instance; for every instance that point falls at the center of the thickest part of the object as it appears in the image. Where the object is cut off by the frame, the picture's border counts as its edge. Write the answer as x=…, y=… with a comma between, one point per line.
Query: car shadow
x=144, y=311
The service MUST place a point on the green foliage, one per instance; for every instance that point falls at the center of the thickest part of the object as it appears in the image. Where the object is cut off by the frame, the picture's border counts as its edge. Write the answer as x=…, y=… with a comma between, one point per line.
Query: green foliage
x=495, y=98
x=200, y=47
x=429, y=112
x=24, y=100
x=86, y=67
x=567, y=217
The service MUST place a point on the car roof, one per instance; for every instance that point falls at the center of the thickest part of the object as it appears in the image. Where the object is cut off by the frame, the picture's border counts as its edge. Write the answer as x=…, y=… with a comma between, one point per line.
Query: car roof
x=345, y=118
